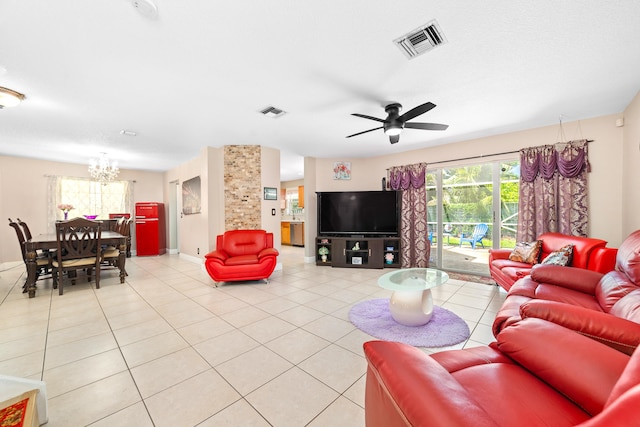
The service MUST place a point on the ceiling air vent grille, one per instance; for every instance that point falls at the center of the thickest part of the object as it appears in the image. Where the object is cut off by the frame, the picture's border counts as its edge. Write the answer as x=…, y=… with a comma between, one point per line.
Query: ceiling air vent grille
x=272, y=111
x=421, y=40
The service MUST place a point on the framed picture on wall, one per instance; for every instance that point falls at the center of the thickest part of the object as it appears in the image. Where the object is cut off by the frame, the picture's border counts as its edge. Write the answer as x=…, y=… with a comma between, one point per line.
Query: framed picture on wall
x=191, y=196
x=342, y=170
x=270, y=193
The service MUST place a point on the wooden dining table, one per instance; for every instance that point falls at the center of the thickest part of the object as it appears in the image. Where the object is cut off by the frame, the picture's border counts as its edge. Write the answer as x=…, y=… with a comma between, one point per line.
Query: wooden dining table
x=49, y=241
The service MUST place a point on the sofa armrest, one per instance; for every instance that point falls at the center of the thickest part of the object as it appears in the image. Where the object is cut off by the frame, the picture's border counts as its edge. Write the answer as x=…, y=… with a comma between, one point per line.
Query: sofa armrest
x=218, y=254
x=398, y=379
x=578, y=367
x=603, y=260
x=267, y=252
x=578, y=279
x=499, y=254
x=619, y=333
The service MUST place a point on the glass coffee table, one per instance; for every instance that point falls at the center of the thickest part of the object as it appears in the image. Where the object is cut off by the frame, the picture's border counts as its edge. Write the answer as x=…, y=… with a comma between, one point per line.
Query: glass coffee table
x=411, y=303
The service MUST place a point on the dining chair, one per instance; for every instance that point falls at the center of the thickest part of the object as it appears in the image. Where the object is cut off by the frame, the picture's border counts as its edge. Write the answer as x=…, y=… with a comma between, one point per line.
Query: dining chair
x=25, y=229
x=110, y=253
x=78, y=242
x=43, y=261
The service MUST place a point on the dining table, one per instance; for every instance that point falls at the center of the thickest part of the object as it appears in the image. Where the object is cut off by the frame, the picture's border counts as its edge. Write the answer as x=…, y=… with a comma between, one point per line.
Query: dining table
x=48, y=241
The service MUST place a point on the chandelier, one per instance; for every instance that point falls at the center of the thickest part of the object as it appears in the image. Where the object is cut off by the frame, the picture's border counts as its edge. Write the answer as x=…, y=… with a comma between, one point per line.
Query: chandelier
x=103, y=171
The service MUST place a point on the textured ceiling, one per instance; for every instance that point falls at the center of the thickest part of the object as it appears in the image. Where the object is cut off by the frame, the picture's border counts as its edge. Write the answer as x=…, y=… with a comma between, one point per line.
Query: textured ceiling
x=199, y=73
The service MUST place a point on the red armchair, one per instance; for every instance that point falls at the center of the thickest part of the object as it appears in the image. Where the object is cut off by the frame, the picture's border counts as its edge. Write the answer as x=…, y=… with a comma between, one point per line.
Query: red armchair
x=536, y=374
x=588, y=253
x=242, y=255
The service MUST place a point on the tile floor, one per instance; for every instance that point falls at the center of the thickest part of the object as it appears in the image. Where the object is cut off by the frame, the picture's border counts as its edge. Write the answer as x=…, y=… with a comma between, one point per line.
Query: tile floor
x=167, y=348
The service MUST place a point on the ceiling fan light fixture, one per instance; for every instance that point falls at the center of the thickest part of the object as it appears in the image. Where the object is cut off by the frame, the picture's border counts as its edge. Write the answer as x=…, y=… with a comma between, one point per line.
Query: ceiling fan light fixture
x=393, y=130
x=9, y=98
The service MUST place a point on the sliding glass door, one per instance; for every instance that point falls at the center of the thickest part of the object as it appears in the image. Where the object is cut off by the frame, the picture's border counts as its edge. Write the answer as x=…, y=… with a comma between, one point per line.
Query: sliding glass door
x=470, y=210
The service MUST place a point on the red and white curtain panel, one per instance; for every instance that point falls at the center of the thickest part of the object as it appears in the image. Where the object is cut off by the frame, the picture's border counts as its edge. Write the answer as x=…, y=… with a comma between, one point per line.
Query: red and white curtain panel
x=553, y=190
x=415, y=248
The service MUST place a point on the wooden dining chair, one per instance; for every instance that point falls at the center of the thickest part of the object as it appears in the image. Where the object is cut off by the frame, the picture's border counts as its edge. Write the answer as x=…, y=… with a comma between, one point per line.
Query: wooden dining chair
x=43, y=261
x=78, y=242
x=25, y=229
x=111, y=254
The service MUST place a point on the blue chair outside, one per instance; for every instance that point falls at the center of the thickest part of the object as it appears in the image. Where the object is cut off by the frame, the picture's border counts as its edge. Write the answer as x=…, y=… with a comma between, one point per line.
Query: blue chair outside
x=476, y=237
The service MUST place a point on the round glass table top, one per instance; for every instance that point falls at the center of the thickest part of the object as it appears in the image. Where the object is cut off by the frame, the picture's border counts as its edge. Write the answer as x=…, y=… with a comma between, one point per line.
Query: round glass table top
x=412, y=279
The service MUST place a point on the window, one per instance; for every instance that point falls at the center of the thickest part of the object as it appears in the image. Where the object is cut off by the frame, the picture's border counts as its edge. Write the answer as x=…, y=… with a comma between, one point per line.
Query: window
x=89, y=197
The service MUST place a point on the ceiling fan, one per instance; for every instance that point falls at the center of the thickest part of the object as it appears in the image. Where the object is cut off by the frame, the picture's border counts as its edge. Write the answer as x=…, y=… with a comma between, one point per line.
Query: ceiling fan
x=394, y=123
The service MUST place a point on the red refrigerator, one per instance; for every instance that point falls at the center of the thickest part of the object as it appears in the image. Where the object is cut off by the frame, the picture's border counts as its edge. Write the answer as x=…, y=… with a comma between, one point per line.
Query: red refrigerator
x=150, y=229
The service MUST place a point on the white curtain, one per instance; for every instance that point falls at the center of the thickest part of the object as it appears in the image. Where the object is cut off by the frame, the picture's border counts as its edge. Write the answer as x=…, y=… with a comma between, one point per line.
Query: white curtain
x=87, y=197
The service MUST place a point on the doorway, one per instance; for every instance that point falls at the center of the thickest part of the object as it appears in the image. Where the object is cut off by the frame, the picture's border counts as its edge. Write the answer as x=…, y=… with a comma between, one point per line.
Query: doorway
x=471, y=209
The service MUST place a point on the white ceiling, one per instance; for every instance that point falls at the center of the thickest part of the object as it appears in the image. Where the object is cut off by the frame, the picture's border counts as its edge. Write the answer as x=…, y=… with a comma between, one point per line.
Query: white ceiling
x=199, y=73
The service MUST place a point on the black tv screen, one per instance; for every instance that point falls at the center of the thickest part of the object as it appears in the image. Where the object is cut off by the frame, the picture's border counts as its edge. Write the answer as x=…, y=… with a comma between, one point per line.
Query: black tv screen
x=370, y=213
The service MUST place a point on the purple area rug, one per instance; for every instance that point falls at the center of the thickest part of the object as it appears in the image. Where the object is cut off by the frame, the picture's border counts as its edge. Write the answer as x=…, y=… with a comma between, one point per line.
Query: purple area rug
x=374, y=318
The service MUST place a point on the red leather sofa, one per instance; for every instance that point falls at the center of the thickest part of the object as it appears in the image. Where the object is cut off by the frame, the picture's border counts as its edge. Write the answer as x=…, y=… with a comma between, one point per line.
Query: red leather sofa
x=536, y=374
x=242, y=255
x=603, y=306
x=588, y=253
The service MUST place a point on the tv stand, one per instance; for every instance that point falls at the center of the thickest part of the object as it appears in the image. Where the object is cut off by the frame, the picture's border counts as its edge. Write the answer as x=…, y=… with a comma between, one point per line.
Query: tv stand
x=358, y=252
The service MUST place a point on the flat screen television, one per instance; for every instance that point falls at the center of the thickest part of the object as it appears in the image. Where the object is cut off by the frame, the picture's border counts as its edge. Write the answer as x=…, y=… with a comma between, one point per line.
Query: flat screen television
x=359, y=213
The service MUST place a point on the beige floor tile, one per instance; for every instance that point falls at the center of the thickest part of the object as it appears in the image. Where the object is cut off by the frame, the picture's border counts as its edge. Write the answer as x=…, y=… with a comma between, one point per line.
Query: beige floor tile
x=134, y=415
x=167, y=371
x=225, y=347
x=78, y=332
x=355, y=393
x=245, y=316
x=80, y=349
x=297, y=345
x=329, y=328
x=292, y=399
x=268, y=329
x=198, y=332
x=237, y=372
x=74, y=375
x=144, y=351
x=192, y=401
x=238, y=414
x=336, y=367
x=93, y=402
x=141, y=331
x=300, y=315
x=342, y=412
x=23, y=366
x=134, y=317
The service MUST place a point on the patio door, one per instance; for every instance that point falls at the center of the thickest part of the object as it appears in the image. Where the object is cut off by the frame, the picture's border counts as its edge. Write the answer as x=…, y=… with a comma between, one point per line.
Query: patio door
x=470, y=210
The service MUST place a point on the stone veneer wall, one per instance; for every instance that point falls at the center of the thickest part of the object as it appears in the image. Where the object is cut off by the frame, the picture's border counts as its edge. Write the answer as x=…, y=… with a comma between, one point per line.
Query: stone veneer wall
x=242, y=192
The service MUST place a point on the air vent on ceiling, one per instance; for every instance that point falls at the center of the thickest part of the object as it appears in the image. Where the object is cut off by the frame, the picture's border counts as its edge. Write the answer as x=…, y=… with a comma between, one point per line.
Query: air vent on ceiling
x=421, y=40
x=272, y=111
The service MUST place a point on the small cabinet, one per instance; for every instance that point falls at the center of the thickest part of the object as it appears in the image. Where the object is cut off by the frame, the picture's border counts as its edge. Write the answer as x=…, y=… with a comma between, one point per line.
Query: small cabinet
x=301, y=196
x=285, y=232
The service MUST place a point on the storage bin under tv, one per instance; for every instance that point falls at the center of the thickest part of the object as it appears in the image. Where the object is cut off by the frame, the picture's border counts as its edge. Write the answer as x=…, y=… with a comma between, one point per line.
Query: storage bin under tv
x=358, y=252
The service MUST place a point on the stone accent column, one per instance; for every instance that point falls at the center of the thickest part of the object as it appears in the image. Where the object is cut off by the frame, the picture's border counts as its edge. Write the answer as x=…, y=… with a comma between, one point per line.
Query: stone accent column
x=242, y=192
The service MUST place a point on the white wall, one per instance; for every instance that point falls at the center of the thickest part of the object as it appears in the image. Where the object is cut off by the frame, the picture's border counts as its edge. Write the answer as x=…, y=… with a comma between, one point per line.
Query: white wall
x=631, y=167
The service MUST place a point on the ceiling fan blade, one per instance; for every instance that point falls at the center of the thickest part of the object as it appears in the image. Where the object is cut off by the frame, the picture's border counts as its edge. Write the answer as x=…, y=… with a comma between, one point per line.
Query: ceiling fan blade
x=394, y=138
x=426, y=126
x=368, y=117
x=415, y=112
x=364, y=131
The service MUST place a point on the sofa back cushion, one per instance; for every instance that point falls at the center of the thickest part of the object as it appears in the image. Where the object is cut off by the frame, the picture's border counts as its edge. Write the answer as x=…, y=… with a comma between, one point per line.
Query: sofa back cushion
x=628, y=307
x=628, y=257
x=582, y=246
x=612, y=287
x=244, y=242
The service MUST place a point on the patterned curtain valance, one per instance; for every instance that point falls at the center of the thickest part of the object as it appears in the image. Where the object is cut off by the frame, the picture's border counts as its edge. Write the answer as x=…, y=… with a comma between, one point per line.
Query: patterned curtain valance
x=403, y=177
x=545, y=160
